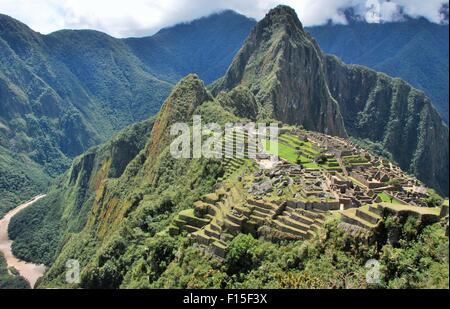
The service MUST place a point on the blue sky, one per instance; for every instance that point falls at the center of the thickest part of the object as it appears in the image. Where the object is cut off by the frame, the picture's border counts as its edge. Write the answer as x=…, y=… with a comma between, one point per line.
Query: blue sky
x=145, y=17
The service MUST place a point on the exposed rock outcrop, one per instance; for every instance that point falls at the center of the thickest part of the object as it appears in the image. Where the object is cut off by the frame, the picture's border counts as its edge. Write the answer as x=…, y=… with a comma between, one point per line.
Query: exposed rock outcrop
x=283, y=68
x=296, y=83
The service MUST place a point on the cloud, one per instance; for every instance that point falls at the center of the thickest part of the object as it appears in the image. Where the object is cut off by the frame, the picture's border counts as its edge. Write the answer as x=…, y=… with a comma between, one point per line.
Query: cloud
x=145, y=17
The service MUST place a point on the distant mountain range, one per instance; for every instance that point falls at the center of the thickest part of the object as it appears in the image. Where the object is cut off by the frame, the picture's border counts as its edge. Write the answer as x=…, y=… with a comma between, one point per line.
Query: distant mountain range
x=415, y=50
x=108, y=207
x=205, y=47
x=62, y=93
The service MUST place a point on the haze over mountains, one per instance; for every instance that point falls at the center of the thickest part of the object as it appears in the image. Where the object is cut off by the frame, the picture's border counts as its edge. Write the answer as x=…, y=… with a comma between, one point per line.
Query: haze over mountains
x=68, y=91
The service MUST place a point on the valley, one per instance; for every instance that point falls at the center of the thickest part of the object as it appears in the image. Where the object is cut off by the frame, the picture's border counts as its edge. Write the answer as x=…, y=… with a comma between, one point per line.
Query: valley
x=359, y=171
x=68, y=91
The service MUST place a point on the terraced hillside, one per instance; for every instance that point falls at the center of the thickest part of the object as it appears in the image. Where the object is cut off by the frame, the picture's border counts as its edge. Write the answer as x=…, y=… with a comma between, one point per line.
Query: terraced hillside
x=149, y=220
x=146, y=219
x=296, y=83
x=317, y=176
x=217, y=218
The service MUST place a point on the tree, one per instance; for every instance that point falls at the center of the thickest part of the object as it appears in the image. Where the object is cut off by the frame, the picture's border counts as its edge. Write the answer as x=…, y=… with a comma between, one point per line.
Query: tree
x=241, y=254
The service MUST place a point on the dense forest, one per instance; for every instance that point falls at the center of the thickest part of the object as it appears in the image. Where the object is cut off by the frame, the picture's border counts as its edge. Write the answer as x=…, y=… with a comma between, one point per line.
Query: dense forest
x=10, y=278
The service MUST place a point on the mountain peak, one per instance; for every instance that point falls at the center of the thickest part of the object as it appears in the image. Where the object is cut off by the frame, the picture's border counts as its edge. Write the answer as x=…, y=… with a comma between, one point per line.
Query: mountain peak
x=281, y=66
x=186, y=96
x=284, y=15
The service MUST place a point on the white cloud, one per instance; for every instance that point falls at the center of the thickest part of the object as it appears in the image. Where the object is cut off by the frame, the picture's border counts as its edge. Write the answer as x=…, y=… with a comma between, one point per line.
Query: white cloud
x=144, y=17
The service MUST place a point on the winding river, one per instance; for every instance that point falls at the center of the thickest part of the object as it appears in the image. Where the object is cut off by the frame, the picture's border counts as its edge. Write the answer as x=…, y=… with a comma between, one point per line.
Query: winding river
x=31, y=272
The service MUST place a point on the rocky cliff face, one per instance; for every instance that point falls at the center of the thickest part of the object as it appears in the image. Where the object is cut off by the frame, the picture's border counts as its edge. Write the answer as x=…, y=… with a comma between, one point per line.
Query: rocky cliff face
x=413, y=49
x=390, y=112
x=284, y=68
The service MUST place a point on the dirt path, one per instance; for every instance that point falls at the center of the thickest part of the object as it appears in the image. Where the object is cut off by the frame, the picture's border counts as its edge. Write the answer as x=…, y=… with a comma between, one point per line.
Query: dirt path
x=30, y=272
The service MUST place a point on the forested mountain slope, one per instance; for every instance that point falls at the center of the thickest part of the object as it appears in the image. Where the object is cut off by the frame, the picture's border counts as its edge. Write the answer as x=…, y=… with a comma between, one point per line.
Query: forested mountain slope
x=111, y=212
x=415, y=50
x=106, y=195
x=205, y=47
x=62, y=93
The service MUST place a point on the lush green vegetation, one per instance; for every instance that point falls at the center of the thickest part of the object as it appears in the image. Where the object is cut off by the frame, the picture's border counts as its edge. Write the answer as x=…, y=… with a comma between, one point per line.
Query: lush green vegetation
x=9, y=277
x=36, y=231
x=434, y=199
x=67, y=217
x=415, y=50
x=81, y=87
x=387, y=199
x=20, y=180
x=332, y=260
x=111, y=209
x=111, y=214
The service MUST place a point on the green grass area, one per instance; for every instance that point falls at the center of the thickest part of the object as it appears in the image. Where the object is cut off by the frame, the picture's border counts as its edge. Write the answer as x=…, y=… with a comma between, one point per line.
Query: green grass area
x=387, y=199
x=288, y=153
x=296, y=142
x=311, y=165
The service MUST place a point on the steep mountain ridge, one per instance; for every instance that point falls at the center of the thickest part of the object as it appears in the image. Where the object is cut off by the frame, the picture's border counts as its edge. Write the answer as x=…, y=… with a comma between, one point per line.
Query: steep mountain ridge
x=89, y=207
x=111, y=210
x=285, y=69
x=112, y=214
x=413, y=49
x=390, y=112
x=264, y=65
x=62, y=93
x=69, y=206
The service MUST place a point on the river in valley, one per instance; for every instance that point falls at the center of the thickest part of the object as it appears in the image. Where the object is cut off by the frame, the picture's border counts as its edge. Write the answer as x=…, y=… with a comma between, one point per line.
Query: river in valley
x=31, y=272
